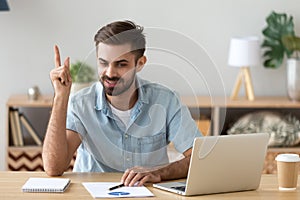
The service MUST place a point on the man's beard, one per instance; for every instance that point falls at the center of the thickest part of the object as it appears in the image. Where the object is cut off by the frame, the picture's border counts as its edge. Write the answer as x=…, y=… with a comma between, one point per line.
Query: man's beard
x=120, y=87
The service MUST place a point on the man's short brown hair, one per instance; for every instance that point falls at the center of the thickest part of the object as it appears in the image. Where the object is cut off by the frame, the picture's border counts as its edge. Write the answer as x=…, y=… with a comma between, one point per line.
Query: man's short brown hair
x=123, y=32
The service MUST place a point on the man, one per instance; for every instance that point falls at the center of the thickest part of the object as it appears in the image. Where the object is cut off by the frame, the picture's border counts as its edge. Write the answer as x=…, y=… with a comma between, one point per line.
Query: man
x=122, y=123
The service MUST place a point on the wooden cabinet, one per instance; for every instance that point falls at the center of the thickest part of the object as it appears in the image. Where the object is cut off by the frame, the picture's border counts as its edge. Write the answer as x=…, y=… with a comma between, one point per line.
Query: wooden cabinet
x=222, y=112
x=26, y=156
x=213, y=115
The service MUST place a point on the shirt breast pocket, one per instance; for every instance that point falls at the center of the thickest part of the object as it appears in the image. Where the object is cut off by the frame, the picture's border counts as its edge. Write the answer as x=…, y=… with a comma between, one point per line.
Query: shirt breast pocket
x=153, y=150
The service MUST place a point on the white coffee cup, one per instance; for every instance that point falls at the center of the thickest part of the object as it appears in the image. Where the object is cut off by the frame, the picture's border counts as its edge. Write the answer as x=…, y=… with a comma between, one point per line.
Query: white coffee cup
x=287, y=171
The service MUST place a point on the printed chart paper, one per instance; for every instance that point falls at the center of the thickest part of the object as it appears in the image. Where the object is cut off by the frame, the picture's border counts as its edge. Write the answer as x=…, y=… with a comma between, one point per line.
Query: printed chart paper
x=100, y=190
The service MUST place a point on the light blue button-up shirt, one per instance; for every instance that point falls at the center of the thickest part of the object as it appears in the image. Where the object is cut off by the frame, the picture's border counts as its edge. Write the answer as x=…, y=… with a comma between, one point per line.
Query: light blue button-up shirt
x=157, y=118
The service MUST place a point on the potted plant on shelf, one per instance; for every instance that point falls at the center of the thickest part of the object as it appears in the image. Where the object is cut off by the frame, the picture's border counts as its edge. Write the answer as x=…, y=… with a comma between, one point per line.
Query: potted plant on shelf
x=83, y=75
x=280, y=41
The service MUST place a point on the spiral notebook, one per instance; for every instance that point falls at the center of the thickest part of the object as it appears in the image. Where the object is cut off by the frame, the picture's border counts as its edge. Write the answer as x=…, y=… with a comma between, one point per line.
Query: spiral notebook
x=46, y=185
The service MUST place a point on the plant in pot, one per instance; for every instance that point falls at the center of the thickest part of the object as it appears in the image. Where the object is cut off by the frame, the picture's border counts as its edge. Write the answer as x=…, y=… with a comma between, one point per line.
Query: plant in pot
x=83, y=75
x=280, y=41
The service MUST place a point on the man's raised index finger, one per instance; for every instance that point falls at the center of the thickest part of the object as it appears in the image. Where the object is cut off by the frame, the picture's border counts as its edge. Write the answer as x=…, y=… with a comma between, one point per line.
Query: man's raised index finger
x=56, y=56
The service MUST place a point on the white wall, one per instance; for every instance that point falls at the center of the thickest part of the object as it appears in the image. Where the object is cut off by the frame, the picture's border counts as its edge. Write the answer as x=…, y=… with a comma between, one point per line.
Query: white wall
x=29, y=31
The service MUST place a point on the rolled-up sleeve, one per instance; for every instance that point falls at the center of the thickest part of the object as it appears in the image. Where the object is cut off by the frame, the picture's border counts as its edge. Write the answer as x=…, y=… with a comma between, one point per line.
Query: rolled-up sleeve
x=73, y=121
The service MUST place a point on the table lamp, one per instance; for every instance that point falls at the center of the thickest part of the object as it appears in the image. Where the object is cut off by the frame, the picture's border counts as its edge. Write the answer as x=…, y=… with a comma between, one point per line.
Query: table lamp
x=243, y=53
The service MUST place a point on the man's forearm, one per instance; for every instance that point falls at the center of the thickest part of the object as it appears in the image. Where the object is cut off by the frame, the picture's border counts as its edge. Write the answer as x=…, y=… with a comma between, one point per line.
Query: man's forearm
x=175, y=170
x=55, y=148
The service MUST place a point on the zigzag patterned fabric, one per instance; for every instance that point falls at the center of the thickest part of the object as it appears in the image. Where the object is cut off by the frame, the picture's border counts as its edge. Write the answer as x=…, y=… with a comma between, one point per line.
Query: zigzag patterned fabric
x=22, y=160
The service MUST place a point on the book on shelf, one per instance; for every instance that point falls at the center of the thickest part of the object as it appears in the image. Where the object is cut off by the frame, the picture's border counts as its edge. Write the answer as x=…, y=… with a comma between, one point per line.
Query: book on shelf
x=13, y=128
x=18, y=127
x=18, y=124
x=16, y=131
x=25, y=122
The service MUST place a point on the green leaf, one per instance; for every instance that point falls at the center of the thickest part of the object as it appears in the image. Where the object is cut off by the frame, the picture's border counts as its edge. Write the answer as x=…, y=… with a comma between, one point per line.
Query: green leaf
x=292, y=43
x=278, y=25
x=82, y=72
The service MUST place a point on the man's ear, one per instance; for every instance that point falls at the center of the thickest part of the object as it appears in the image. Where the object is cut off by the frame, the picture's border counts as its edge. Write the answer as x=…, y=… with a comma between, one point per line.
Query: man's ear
x=140, y=63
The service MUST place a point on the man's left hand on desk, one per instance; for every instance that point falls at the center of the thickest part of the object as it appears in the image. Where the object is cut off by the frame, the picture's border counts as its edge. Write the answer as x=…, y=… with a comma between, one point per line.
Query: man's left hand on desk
x=140, y=175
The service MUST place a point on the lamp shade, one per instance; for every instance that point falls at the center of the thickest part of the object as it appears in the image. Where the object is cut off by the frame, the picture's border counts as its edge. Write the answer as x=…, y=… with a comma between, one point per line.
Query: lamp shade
x=244, y=51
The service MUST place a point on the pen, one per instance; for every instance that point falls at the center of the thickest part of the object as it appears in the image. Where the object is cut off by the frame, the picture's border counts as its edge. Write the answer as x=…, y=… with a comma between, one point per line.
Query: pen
x=117, y=186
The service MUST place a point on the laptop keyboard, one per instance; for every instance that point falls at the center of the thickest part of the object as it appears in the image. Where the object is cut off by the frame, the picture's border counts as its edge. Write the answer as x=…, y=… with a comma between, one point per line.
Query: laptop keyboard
x=181, y=188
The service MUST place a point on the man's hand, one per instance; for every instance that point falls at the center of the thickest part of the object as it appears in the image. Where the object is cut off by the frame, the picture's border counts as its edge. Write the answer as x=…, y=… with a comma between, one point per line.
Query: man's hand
x=141, y=175
x=60, y=75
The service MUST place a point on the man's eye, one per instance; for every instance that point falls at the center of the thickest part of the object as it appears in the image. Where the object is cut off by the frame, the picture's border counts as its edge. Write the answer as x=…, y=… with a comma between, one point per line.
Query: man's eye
x=122, y=64
x=103, y=63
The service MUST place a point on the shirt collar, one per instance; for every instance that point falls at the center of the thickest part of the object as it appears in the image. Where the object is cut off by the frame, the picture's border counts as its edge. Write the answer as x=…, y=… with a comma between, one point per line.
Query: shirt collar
x=141, y=90
x=100, y=100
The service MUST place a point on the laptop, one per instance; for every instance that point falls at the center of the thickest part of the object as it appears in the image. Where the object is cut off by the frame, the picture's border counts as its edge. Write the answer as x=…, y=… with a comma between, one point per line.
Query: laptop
x=220, y=164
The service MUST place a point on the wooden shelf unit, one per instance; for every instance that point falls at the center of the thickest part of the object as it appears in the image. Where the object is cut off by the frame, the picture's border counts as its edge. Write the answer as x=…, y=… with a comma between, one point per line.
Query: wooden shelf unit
x=222, y=110
x=216, y=104
x=27, y=157
x=23, y=101
x=215, y=110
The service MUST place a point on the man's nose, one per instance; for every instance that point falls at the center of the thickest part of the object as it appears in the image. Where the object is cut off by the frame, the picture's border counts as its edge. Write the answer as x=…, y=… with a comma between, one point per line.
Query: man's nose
x=111, y=71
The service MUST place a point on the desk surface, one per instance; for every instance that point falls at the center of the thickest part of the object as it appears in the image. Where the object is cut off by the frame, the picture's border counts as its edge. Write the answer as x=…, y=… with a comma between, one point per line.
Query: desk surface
x=11, y=183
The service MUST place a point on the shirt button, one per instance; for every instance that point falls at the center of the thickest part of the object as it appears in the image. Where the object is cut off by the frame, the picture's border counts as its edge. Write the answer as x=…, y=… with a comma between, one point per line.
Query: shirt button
x=126, y=136
x=127, y=159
